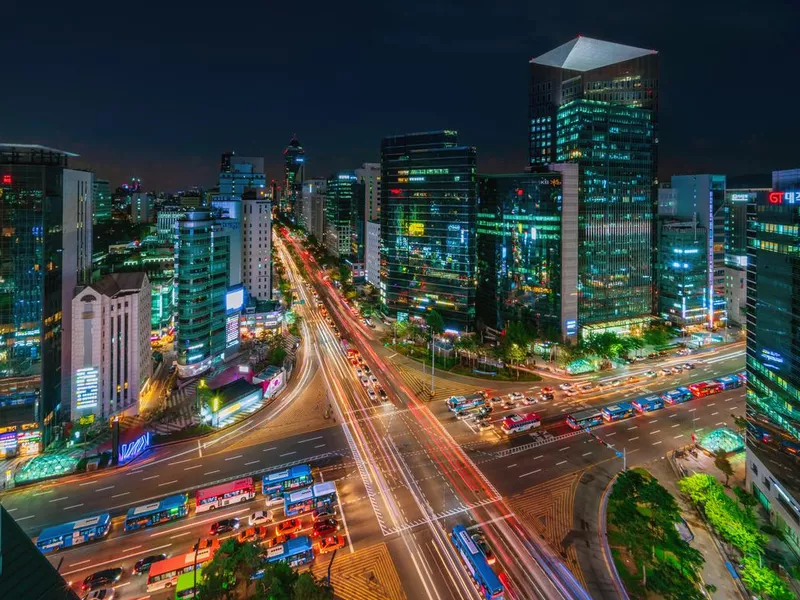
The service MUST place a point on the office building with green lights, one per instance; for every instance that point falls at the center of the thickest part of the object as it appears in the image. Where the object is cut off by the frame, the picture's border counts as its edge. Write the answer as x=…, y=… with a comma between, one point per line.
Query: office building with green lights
x=201, y=282
x=682, y=272
x=428, y=218
x=101, y=210
x=773, y=353
x=344, y=216
x=595, y=103
x=527, y=224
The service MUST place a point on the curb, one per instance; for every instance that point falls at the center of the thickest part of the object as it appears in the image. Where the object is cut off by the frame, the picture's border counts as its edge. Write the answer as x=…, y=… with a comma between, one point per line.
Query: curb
x=603, y=535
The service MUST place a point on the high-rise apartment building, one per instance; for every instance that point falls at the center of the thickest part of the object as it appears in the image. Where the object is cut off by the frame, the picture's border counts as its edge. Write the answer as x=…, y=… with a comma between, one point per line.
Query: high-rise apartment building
x=111, y=356
x=257, y=244
x=166, y=217
x=370, y=175
x=46, y=212
x=344, y=200
x=428, y=210
x=372, y=254
x=314, y=192
x=682, y=269
x=101, y=201
x=595, y=103
x=201, y=282
x=239, y=173
x=703, y=197
x=527, y=269
x=773, y=357
x=294, y=159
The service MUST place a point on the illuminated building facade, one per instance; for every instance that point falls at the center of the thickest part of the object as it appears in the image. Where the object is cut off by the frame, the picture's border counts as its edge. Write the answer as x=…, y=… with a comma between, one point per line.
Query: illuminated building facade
x=294, y=159
x=111, y=355
x=703, y=197
x=344, y=210
x=314, y=191
x=101, y=201
x=46, y=212
x=595, y=103
x=527, y=224
x=682, y=268
x=370, y=175
x=201, y=281
x=773, y=353
x=428, y=213
x=257, y=244
x=739, y=206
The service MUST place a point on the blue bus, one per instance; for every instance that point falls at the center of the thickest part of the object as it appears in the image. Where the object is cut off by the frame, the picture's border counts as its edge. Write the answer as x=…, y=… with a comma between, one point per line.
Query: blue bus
x=74, y=533
x=470, y=407
x=591, y=417
x=644, y=405
x=678, y=395
x=618, y=412
x=459, y=403
x=295, y=552
x=319, y=495
x=163, y=511
x=728, y=382
x=488, y=583
x=274, y=484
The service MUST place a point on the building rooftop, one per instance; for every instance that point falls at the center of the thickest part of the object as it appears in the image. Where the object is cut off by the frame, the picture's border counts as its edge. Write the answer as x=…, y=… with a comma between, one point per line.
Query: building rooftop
x=29, y=147
x=233, y=391
x=24, y=571
x=115, y=284
x=586, y=54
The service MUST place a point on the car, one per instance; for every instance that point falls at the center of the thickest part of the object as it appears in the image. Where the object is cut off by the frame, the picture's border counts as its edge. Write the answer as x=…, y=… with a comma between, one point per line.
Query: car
x=279, y=539
x=688, y=366
x=373, y=380
x=251, y=534
x=616, y=382
x=366, y=369
x=530, y=400
x=325, y=527
x=677, y=369
x=288, y=526
x=364, y=381
x=650, y=374
x=325, y=511
x=483, y=546
x=143, y=564
x=547, y=390
x=586, y=387
x=224, y=526
x=572, y=392
x=483, y=424
x=359, y=371
x=354, y=362
x=102, y=578
x=508, y=404
x=102, y=594
x=260, y=517
x=516, y=396
x=482, y=393
x=206, y=543
x=495, y=400
x=382, y=393
x=565, y=386
x=544, y=397
x=329, y=544
x=371, y=393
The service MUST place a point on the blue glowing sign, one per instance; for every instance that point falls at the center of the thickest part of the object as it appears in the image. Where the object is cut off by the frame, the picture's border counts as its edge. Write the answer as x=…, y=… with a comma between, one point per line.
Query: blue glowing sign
x=130, y=451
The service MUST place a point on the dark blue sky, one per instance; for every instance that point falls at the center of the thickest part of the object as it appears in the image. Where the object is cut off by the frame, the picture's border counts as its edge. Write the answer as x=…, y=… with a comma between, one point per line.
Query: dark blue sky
x=160, y=90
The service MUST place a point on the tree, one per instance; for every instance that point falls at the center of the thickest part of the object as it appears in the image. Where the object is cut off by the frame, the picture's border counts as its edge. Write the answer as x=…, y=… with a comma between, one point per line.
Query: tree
x=658, y=335
x=723, y=464
x=763, y=580
x=435, y=322
x=514, y=354
x=746, y=499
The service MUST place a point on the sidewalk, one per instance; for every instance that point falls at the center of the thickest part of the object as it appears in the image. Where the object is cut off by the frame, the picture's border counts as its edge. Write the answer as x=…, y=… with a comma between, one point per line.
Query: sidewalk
x=716, y=569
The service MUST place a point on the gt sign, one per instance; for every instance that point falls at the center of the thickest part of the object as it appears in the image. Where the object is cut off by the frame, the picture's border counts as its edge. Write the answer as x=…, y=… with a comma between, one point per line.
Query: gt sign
x=784, y=197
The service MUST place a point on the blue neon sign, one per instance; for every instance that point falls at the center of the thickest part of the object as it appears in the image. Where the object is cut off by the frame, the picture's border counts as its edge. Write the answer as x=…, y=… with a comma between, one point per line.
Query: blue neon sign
x=128, y=452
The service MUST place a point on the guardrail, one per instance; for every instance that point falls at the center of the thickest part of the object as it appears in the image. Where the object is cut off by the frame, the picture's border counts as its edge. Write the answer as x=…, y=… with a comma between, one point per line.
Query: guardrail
x=536, y=444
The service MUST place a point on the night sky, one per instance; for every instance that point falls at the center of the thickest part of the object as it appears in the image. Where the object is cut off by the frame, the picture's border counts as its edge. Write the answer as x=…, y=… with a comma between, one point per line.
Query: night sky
x=159, y=91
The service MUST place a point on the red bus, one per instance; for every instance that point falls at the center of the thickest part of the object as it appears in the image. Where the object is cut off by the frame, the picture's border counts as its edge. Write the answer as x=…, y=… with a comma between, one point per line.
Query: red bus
x=705, y=388
x=165, y=573
x=517, y=423
x=225, y=494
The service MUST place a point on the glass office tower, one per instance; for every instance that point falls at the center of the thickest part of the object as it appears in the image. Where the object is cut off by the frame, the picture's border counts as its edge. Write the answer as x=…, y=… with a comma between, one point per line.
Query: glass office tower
x=773, y=353
x=344, y=215
x=682, y=272
x=294, y=160
x=595, y=103
x=614, y=149
x=428, y=207
x=201, y=282
x=527, y=256
x=45, y=252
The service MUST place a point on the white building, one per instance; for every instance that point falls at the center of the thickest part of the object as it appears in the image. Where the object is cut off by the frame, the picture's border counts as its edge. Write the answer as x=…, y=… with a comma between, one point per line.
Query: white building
x=314, y=206
x=111, y=355
x=257, y=244
x=372, y=255
x=370, y=175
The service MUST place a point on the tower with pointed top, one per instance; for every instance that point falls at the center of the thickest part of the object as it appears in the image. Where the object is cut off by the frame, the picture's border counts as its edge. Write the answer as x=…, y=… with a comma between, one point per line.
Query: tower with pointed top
x=294, y=158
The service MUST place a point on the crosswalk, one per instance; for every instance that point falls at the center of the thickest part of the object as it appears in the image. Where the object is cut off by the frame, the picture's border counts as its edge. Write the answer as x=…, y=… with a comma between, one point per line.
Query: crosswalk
x=421, y=385
x=367, y=574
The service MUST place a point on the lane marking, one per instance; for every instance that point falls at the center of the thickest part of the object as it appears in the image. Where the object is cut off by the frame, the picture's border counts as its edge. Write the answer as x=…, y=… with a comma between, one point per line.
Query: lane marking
x=234, y=457
x=538, y=457
x=151, y=477
x=510, y=466
x=564, y=448
x=73, y=506
x=58, y=499
x=168, y=483
x=23, y=518
x=561, y=463
x=530, y=473
x=192, y=467
x=319, y=437
x=211, y=472
x=633, y=438
x=612, y=433
x=678, y=436
x=80, y=562
x=656, y=443
x=714, y=414
x=287, y=454
x=268, y=449
x=133, y=548
x=676, y=425
x=110, y=487
x=655, y=432
x=634, y=427
x=673, y=416
x=178, y=462
x=90, y=482
x=252, y=462
x=653, y=421
x=320, y=446
x=120, y=495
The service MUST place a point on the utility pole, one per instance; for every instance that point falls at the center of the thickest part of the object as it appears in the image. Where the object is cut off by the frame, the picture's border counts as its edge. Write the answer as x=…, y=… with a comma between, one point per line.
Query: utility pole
x=330, y=565
x=433, y=361
x=194, y=568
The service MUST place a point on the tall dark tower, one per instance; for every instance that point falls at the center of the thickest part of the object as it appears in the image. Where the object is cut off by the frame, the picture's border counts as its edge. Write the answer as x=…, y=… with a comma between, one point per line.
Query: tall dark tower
x=225, y=162
x=293, y=169
x=595, y=103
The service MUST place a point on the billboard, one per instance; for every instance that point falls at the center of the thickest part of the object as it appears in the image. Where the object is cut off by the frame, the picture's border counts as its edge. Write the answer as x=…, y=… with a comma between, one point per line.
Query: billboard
x=86, y=387
x=234, y=299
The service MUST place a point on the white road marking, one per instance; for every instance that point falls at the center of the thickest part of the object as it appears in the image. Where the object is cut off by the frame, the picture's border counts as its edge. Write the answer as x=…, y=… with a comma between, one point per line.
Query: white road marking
x=634, y=427
x=633, y=438
x=319, y=437
x=80, y=562
x=510, y=466
x=564, y=448
x=268, y=449
x=676, y=425
x=655, y=432
x=538, y=457
x=23, y=518
x=151, y=477
x=168, y=483
x=714, y=413
x=234, y=457
x=561, y=463
x=610, y=434
x=673, y=416
x=287, y=454
x=178, y=462
x=252, y=462
x=192, y=467
x=110, y=487
x=73, y=506
x=678, y=436
x=120, y=495
x=530, y=473
x=211, y=472
x=586, y=454
x=58, y=499
x=656, y=443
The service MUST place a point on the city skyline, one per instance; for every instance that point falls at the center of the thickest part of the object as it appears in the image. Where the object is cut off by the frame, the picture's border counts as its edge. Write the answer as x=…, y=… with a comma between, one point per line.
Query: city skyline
x=168, y=126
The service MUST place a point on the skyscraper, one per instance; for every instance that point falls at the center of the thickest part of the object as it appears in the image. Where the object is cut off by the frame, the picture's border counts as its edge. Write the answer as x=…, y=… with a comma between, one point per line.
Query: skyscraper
x=46, y=210
x=201, y=281
x=703, y=197
x=314, y=191
x=370, y=175
x=682, y=272
x=257, y=244
x=773, y=356
x=294, y=158
x=344, y=199
x=428, y=210
x=101, y=201
x=595, y=103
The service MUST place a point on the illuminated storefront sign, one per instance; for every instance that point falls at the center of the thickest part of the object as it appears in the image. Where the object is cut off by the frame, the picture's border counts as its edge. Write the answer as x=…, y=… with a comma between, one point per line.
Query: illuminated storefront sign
x=86, y=387
x=8, y=440
x=771, y=358
x=29, y=437
x=232, y=331
x=234, y=299
x=784, y=197
x=130, y=451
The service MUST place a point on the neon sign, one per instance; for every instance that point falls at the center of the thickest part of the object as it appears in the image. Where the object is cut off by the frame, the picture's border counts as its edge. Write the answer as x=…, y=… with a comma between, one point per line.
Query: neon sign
x=135, y=448
x=783, y=197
